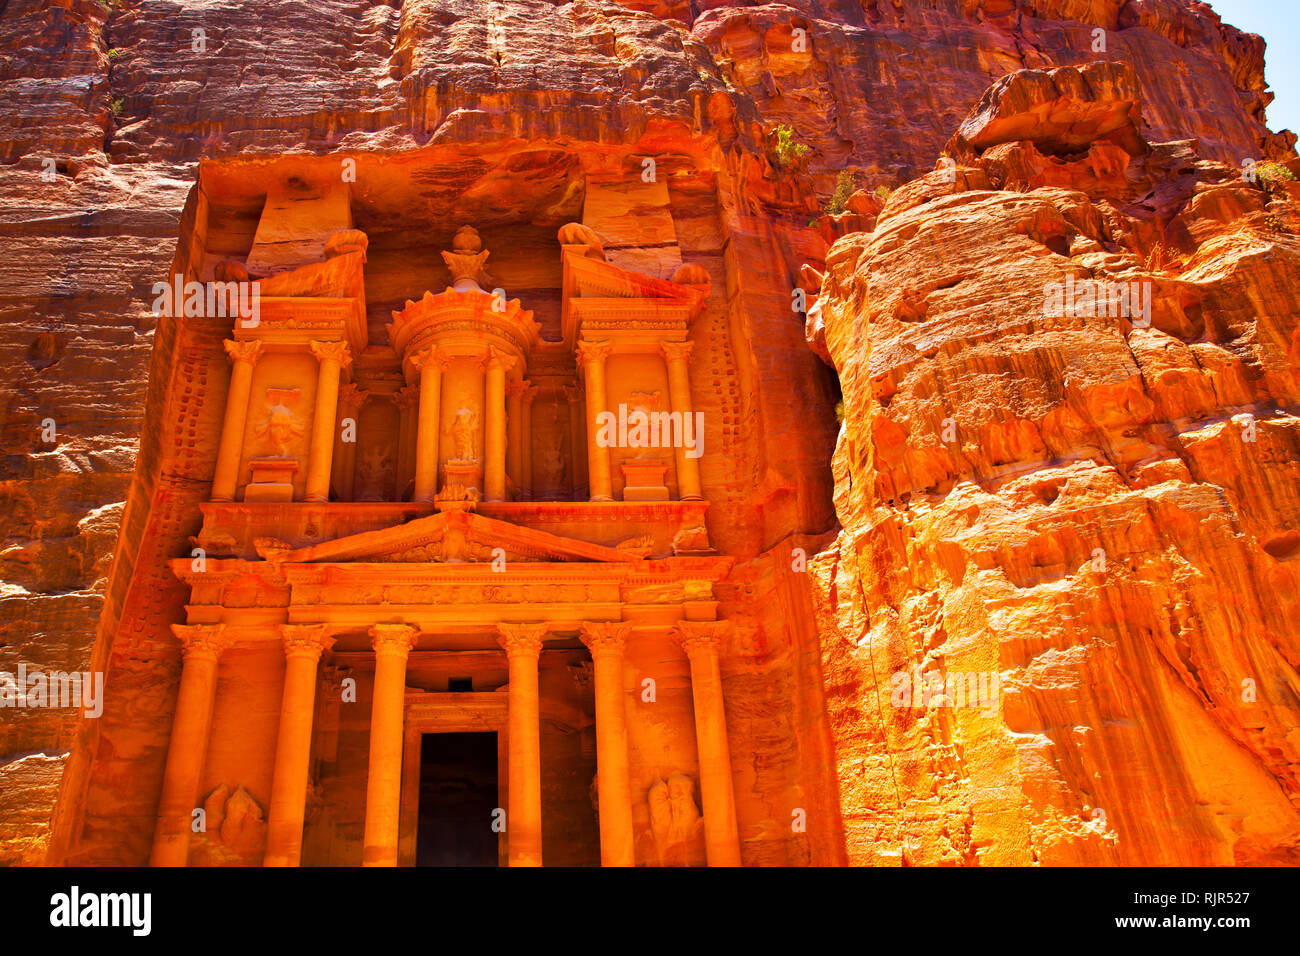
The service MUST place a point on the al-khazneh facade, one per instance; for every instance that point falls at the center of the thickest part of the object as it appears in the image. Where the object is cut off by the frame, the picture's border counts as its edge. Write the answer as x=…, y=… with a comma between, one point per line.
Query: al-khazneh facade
x=431, y=535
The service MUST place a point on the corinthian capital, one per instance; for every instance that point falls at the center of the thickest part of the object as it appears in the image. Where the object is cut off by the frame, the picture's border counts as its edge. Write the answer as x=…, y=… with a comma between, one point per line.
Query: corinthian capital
x=352, y=397
x=332, y=351
x=701, y=637
x=201, y=641
x=522, y=640
x=246, y=350
x=605, y=637
x=305, y=640
x=430, y=358
x=408, y=396
x=589, y=352
x=395, y=639
x=676, y=351
x=498, y=359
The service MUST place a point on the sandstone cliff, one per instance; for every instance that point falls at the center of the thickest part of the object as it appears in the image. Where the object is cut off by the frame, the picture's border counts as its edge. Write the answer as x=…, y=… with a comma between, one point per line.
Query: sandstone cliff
x=1100, y=511
x=118, y=104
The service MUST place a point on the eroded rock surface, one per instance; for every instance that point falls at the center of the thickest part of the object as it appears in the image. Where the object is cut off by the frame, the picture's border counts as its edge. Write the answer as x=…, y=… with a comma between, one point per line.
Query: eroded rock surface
x=1099, y=513
x=119, y=104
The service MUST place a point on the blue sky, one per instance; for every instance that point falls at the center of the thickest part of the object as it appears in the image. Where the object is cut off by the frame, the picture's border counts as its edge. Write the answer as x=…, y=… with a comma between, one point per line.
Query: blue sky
x=1278, y=22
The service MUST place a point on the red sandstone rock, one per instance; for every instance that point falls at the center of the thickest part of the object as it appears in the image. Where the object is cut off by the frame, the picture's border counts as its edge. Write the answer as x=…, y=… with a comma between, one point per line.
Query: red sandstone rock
x=451, y=116
x=1102, y=515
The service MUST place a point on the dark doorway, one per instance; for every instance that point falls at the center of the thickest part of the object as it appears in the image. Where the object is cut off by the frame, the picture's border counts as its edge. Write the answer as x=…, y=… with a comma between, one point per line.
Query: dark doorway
x=458, y=794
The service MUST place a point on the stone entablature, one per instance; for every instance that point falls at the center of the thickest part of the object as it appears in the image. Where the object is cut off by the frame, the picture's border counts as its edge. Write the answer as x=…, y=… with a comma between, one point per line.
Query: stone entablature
x=655, y=529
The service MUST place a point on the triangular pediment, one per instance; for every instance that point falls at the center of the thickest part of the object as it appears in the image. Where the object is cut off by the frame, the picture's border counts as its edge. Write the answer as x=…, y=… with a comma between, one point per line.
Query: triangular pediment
x=454, y=537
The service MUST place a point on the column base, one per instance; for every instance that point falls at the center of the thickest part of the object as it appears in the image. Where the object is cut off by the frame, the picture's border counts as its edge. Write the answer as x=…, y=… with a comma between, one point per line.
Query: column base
x=692, y=498
x=602, y=497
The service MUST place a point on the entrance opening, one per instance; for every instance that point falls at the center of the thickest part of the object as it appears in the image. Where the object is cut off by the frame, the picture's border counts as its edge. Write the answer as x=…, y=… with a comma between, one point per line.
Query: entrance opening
x=458, y=794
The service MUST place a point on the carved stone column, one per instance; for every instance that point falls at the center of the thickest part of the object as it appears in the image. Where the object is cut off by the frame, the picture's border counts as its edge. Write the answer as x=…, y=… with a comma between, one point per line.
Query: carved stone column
x=351, y=400
x=606, y=642
x=592, y=355
x=202, y=645
x=392, y=643
x=526, y=437
x=431, y=364
x=333, y=358
x=303, y=644
x=407, y=400
x=515, y=435
x=676, y=354
x=577, y=444
x=701, y=640
x=244, y=355
x=523, y=646
x=495, y=365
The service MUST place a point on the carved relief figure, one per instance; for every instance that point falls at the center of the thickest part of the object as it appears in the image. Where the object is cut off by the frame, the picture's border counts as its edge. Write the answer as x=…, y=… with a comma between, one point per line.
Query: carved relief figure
x=464, y=431
x=661, y=818
x=686, y=815
x=372, y=472
x=232, y=822
x=280, y=427
x=675, y=820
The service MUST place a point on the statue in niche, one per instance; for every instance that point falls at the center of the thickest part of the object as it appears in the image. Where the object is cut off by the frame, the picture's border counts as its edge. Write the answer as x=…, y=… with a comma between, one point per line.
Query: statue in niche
x=675, y=820
x=464, y=430
x=234, y=820
x=372, y=474
x=552, y=469
x=280, y=428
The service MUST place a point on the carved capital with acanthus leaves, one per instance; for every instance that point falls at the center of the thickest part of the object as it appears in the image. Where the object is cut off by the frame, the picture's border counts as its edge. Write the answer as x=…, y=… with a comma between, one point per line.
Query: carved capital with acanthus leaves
x=605, y=637
x=201, y=641
x=590, y=353
x=431, y=358
x=522, y=640
x=496, y=358
x=337, y=352
x=705, y=638
x=395, y=640
x=244, y=350
x=677, y=351
x=352, y=398
x=305, y=641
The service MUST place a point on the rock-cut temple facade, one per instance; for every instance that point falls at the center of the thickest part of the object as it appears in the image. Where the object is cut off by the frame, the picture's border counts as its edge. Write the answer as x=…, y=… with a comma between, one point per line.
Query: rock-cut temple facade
x=445, y=592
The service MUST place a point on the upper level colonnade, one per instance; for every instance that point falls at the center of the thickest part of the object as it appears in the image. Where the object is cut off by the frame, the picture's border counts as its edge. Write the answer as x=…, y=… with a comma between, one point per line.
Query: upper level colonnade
x=452, y=400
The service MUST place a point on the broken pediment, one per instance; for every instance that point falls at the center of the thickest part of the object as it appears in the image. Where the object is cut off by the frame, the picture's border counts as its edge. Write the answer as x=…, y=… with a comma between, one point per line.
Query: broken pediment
x=600, y=296
x=454, y=537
